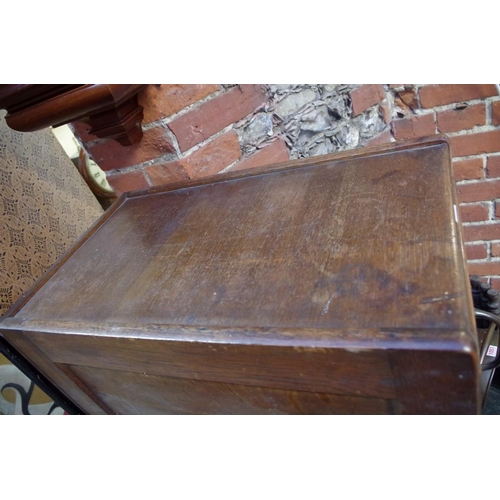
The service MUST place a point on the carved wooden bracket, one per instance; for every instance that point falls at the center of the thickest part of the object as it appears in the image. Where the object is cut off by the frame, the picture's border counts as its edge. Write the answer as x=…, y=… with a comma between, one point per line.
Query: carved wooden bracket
x=111, y=110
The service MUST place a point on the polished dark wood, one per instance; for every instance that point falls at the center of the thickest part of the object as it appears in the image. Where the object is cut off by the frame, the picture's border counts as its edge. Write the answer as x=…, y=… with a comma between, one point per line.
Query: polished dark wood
x=328, y=285
x=112, y=110
x=17, y=97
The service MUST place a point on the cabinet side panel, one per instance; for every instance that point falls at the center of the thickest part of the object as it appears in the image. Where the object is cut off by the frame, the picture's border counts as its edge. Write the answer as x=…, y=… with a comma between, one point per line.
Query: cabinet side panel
x=436, y=382
x=141, y=393
x=336, y=371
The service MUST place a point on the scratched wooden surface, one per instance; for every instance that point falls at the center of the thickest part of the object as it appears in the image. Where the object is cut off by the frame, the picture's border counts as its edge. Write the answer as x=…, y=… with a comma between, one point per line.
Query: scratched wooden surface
x=340, y=267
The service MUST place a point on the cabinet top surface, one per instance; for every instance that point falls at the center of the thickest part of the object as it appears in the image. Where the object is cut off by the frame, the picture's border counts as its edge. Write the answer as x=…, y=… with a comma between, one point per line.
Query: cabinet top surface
x=364, y=241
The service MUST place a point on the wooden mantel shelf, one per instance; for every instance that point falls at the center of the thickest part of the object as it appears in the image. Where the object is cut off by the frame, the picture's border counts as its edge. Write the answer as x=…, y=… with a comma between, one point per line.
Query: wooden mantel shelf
x=111, y=110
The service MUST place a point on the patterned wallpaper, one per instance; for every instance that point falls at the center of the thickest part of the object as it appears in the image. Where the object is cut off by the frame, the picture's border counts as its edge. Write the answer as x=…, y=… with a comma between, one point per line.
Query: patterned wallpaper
x=44, y=207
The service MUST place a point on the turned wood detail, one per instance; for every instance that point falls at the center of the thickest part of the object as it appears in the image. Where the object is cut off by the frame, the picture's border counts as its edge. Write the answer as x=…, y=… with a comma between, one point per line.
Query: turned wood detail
x=111, y=110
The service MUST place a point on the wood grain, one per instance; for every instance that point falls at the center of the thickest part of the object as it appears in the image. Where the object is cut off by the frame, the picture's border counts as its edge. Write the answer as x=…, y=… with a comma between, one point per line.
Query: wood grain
x=336, y=371
x=342, y=275
x=140, y=393
x=426, y=380
x=306, y=248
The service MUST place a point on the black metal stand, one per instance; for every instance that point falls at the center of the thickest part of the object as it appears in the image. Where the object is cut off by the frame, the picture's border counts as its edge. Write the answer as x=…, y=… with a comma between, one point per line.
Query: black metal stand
x=37, y=378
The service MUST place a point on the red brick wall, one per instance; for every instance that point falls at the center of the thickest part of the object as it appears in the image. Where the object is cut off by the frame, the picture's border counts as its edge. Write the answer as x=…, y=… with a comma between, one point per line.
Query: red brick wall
x=467, y=114
x=191, y=131
x=188, y=133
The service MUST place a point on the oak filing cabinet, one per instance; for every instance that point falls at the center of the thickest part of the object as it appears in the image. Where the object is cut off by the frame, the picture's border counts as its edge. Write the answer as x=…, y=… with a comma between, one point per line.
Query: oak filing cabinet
x=328, y=285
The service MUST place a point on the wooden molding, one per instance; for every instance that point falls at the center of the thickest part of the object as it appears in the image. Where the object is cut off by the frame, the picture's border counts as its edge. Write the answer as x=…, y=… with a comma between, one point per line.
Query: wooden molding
x=112, y=110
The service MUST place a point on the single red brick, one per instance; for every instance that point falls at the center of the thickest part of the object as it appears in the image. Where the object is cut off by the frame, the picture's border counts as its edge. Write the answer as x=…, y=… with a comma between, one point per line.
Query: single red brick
x=465, y=170
x=110, y=155
x=476, y=252
x=163, y=101
x=495, y=283
x=497, y=210
x=439, y=95
x=454, y=120
x=382, y=138
x=475, y=144
x=365, y=97
x=402, y=109
x=416, y=126
x=127, y=181
x=213, y=157
x=474, y=213
x=478, y=191
x=167, y=173
x=493, y=166
x=407, y=98
x=385, y=109
x=495, y=113
x=482, y=232
x=495, y=249
x=276, y=152
x=211, y=117
x=484, y=268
